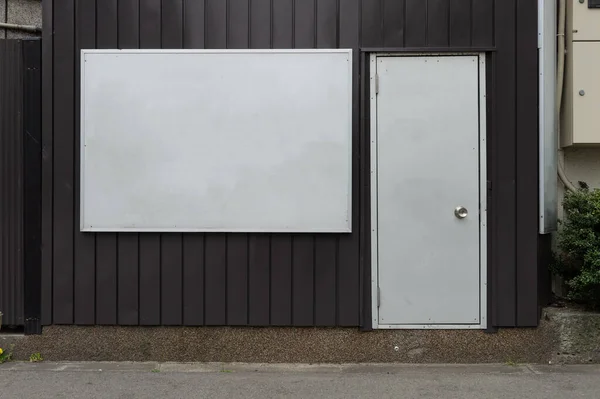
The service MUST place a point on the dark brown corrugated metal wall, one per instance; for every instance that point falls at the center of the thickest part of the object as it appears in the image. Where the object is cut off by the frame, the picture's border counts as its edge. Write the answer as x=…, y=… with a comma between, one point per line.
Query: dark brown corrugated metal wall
x=11, y=182
x=279, y=279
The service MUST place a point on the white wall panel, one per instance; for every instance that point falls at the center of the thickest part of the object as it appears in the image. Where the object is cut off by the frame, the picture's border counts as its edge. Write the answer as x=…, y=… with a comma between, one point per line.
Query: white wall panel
x=203, y=140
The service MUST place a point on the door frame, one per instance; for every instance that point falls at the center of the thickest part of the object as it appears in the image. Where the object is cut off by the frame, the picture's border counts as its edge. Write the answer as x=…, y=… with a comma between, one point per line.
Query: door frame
x=483, y=287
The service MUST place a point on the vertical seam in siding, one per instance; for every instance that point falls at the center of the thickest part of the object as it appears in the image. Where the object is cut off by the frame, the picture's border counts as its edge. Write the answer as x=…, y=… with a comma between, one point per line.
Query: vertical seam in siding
x=182, y=290
x=448, y=21
x=404, y=24
x=204, y=272
x=270, y=46
x=293, y=44
x=316, y=31
x=515, y=198
x=337, y=24
x=75, y=207
x=427, y=22
x=227, y=27
x=160, y=237
x=314, y=274
x=248, y=254
x=494, y=22
x=270, y=263
x=248, y=44
x=116, y=271
x=472, y=22
x=337, y=281
x=381, y=21
x=226, y=296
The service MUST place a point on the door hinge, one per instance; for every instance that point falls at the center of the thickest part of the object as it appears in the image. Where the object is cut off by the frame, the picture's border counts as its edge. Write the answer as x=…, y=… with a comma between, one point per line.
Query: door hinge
x=489, y=185
x=378, y=296
x=376, y=83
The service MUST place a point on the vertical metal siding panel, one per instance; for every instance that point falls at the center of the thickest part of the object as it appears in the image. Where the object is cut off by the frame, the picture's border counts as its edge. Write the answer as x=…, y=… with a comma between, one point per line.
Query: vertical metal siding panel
x=150, y=30
x=325, y=280
x=371, y=23
x=215, y=280
x=238, y=24
x=193, y=244
x=106, y=279
x=237, y=279
x=259, y=288
x=84, y=244
x=4, y=173
x=171, y=262
x=47, y=159
x=237, y=244
x=260, y=24
x=526, y=164
x=193, y=23
x=281, y=244
x=150, y=290
x=172, y=24
x=11, y=174
x=32, y=174
x=485, y=22
x=303, y=266
x=18, y=189
x=415, y=34
x=171, y=244
x=283, y=17
x=281, y=280
x=438, y=27
x=129, y=24
x=128, y=243
x=106, y=243
x=327, y=23
x=128, y=279
x=492, y=155
x=304, y=24
x=216, y=24
x=259, y=245
x=347, y=276
x=64, y=64
x=303, y=244
x=393, y=23
x=193, y=279
x=149, y=244
x=365, y=198
x=504, y=278
x=4, y=281
x=215, y=266
x=325, y=258
x=460, y=23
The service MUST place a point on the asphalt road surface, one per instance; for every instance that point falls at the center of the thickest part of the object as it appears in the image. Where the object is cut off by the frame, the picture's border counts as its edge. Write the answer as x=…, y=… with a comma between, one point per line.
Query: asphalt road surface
x=152, y=380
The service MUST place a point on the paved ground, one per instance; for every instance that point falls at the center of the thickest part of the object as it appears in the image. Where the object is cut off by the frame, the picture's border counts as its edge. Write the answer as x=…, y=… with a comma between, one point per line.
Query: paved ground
x=152, y=380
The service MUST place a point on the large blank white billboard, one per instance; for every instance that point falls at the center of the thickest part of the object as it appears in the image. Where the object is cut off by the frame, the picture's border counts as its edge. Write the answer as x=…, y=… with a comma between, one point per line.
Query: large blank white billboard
x=216, y=140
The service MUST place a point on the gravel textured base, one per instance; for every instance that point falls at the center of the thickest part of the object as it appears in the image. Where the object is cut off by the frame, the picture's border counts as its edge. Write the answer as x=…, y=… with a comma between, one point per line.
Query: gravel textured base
x=286, y=345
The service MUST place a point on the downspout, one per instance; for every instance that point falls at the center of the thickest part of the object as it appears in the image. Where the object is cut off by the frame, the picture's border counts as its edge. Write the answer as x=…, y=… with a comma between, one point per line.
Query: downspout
x=560, y=77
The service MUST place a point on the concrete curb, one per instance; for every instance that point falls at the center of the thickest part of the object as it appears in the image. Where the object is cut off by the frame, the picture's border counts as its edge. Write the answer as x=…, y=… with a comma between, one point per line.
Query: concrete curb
x=367, y=368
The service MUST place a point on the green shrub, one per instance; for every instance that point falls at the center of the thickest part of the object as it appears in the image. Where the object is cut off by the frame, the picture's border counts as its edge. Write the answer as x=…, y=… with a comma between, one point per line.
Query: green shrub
x=578, y=244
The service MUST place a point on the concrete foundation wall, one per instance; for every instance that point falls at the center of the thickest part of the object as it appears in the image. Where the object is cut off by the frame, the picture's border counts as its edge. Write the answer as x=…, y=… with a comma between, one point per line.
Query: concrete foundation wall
x=20, y=12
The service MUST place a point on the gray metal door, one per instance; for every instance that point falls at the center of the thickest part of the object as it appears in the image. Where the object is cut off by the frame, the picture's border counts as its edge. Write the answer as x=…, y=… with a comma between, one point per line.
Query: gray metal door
x=426, y=150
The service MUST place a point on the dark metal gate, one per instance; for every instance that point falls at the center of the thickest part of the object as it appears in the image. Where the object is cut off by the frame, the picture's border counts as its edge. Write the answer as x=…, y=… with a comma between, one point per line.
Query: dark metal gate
x=20, y=182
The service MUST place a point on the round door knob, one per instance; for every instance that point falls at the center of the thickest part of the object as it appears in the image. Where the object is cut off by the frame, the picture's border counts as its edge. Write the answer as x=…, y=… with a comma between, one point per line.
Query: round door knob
x=461, y=212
